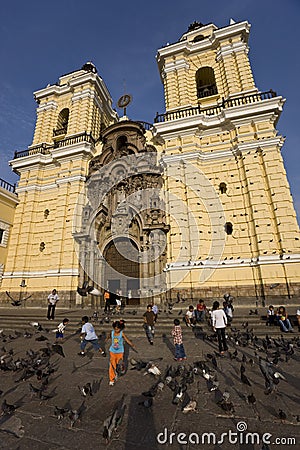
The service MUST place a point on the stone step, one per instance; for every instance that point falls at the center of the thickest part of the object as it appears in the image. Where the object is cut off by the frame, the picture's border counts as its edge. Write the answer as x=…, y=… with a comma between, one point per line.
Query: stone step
x=10, y=322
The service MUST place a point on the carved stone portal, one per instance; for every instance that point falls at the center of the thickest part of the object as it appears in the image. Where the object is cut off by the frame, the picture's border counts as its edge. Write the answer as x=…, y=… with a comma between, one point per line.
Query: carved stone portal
x=123, y=235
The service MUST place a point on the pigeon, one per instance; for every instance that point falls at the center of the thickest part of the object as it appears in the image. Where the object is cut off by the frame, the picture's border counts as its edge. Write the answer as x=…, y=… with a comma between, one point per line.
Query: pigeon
x=251, y=399
x=35, y=390
x=282, y=415
x=14, y=302
x=57, y=348
x=60, y=412
x=212, y=385
x=41, y=338
x=86, y=390
x=36, y=325
x=244, y=379
x=153, y=370
x=147, y=403
x=212, y=358
x=279, y=376
x=74, y=416
x=7, y=409
x=191, y=406
x=226, y=406
x=86, y=289
x=226, y=396
x=27, y=334
x=178, y=397
x=114, y=420
x=271, y=375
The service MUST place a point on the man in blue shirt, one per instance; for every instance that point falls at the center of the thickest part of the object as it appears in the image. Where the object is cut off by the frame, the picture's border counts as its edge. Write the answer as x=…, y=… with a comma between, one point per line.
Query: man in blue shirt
x=88, y=335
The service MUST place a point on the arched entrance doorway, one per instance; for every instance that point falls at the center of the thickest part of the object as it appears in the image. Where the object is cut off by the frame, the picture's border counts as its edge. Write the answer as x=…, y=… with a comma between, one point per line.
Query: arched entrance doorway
x=122, y=268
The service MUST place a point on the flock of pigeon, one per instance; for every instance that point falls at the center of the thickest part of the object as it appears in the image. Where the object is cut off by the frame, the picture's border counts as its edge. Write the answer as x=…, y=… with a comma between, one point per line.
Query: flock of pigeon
x=251, y=360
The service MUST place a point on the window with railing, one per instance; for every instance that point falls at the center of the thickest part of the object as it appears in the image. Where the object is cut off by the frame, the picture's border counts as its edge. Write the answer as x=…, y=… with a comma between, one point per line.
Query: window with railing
x=206, y=83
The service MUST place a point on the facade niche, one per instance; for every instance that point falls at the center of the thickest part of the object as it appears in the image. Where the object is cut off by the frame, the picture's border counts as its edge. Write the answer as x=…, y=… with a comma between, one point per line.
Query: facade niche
x=206, y=83
x=121, y=142
x=223, y=188
x=228, y=228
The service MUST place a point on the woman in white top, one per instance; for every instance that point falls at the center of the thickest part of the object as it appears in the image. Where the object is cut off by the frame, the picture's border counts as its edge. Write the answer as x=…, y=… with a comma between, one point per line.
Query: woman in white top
x=219, y=322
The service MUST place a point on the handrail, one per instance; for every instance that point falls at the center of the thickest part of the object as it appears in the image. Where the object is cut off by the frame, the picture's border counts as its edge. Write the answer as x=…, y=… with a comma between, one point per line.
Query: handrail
x=45, y=149
x=213, y=110
x=59, y=131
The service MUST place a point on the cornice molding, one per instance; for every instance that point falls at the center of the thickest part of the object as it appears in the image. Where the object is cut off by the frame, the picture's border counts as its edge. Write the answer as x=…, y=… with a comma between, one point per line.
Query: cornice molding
x=211, y=42
x=9, y=197
x=52, y=185
x=44, y=273
x=234, y=263
x=228, y=50
x=176, y=65
x=47, y=106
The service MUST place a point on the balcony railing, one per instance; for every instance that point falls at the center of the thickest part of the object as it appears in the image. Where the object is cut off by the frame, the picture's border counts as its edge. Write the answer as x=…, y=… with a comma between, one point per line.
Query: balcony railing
x=45, y=149
x=7, y=186
x=59, y=131
x=207, y=91
x=213, y=110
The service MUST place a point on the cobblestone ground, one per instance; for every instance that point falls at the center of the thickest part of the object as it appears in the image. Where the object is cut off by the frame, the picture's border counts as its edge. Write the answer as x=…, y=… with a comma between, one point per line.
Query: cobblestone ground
x=33, y=424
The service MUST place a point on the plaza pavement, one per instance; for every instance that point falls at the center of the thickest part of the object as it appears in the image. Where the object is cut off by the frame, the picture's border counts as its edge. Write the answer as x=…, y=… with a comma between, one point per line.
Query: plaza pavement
x=33, y=425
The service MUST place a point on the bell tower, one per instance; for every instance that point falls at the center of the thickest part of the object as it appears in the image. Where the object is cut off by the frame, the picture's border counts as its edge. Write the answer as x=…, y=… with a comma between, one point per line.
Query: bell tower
x=222, y=158
x=70, y=117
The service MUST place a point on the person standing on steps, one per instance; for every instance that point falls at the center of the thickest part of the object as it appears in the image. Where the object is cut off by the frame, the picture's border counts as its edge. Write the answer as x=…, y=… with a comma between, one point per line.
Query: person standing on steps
x=177, y=337
x=219, y=322
x=53, y=298
x=149, y=321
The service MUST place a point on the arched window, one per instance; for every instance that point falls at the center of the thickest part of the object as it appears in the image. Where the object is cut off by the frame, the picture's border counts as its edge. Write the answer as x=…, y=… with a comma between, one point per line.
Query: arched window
x=62, y=122
x=206, y=83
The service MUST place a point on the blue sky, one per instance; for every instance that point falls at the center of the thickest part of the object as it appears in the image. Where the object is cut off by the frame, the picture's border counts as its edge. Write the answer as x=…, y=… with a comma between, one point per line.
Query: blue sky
x=40, y=41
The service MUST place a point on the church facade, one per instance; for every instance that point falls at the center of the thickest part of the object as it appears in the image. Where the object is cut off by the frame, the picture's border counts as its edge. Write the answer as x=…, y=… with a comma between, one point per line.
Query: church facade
x=196, y=204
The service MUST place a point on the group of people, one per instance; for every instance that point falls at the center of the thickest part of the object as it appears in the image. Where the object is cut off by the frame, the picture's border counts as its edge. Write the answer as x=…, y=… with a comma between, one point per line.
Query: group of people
x=201, y=313
x=218, y=318
x=280, y=317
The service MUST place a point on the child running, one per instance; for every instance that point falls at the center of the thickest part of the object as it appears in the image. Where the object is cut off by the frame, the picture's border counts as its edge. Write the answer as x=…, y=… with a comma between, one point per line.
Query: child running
x=116, y=350
x=60, y=331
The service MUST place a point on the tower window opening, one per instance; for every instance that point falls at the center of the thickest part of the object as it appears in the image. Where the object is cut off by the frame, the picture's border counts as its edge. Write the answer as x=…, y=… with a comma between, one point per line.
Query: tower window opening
x=206, y=83
x=62, y=122
x=223, y=188
x=228, y=228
